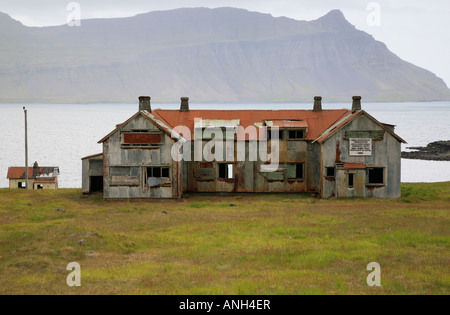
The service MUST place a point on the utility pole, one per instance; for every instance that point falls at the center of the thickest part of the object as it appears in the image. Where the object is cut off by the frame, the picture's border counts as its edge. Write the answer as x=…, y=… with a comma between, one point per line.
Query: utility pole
x=26, y=148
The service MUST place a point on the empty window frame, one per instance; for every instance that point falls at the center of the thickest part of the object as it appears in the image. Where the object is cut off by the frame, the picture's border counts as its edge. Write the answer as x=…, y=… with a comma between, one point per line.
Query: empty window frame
x=296, y=171
x=297, y=134
x=217, y=133
x=40, y=187
x=280, y=134
x=158, y=172
x=351, y=180
x=330, y=172
x=226, y=171
x=21, y=185
x=375, y=176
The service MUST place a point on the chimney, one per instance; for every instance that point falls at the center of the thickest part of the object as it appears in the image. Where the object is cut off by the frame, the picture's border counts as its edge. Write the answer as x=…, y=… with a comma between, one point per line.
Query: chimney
x=35, y=169
x=184, y=104
x=356, y=104
x=144, y=103
x=317, y=104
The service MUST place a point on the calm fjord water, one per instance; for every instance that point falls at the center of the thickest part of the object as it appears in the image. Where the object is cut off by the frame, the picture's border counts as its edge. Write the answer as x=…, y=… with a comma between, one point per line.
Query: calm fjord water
x=61, y=134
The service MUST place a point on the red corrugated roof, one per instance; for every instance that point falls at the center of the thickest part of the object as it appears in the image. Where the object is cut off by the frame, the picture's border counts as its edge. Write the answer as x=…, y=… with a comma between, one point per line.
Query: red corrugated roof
x=19, y=172
x=317, y=122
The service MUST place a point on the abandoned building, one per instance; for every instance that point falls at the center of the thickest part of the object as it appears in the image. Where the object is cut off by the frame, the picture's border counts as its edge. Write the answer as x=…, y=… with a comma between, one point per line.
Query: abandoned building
x=332, y=153
x=38, y=177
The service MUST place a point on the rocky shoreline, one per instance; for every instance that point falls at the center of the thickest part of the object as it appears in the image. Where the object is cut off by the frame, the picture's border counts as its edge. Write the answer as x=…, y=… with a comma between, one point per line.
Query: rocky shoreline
x=435, y=151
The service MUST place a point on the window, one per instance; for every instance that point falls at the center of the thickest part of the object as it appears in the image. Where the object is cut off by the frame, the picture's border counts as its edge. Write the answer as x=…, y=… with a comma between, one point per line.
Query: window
x=156, y=176
x=331, y=172
x=140, y=130
x=21, y=185
x=40, y=187
x=296, y=171
x=351, y=180
x=296, y=134
x=158, y=172
x=226, y=171
x=375, y=176
x=280, y=134
x=125, y=175
x=205, y=171
x=217, y=133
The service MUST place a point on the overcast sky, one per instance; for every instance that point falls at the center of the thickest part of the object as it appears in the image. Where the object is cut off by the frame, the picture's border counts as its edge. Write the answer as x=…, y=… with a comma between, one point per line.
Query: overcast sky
x=416, y=30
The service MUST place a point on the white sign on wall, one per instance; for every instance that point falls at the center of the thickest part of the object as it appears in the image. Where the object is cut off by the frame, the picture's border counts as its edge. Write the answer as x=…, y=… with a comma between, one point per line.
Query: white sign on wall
x=360, y=147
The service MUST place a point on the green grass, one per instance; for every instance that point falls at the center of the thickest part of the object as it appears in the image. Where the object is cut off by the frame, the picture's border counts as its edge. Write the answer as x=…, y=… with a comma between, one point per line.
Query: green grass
x=268, y=244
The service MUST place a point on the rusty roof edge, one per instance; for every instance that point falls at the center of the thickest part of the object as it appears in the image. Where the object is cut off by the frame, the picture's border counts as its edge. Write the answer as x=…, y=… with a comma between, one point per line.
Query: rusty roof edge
x=384, y=127
x=118, y=128
x=336, y=127
x=332, y=128
x=91, y=156
x=166, y=127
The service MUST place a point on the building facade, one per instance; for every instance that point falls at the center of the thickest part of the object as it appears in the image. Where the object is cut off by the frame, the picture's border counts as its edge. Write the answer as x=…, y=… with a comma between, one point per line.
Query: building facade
x=165, y=153
x=38, y=177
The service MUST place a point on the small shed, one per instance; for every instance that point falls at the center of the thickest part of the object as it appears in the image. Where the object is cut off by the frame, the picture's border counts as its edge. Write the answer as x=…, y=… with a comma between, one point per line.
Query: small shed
x=92, y=170
x=39, y=177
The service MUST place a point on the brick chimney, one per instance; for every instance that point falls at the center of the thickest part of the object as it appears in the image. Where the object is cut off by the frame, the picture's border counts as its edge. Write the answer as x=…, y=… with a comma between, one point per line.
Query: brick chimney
x=144, y=103
x=184, y=104
x=356, y=103
x=317, y=104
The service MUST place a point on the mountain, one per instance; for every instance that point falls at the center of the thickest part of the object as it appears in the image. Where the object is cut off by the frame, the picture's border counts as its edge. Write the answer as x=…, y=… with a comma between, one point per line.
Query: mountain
x=210, y=55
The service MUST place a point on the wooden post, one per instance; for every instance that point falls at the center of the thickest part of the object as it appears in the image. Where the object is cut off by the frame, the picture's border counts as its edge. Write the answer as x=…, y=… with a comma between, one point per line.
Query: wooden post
x=26, y=148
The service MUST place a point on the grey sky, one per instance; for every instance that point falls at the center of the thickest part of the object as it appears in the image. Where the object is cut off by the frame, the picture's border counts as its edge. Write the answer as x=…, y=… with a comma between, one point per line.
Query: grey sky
x=416, y=30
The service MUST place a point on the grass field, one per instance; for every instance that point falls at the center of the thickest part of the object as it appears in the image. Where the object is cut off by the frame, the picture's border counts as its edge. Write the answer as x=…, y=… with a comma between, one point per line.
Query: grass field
x=267, y=244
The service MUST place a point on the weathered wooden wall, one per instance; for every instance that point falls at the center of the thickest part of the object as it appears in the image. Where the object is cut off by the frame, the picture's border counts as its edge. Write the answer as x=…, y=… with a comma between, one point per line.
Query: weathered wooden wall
x=386, y=152
x=133, y=187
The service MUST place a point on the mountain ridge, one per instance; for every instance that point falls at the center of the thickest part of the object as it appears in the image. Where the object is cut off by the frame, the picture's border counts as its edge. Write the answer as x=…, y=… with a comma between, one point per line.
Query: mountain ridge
x=211, y=55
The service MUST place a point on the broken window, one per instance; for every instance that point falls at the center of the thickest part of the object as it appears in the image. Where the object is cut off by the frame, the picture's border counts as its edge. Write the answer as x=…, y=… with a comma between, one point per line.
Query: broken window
x=157, y=176
x=331, y=172
x=296, y=134
x=226, y=171
x=375, y=176
x=158, y=172
x=351, y=180
x=21, y=185
x=296, y=171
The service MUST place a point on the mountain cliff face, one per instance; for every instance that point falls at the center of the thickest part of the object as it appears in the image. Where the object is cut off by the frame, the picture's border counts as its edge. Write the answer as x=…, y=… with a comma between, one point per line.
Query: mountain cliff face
x=210, y=55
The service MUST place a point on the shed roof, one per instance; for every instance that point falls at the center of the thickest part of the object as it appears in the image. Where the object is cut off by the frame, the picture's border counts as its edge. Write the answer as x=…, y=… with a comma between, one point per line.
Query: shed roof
x=93, y=156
